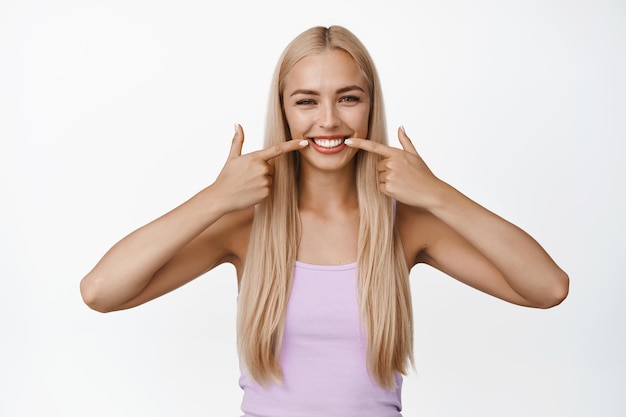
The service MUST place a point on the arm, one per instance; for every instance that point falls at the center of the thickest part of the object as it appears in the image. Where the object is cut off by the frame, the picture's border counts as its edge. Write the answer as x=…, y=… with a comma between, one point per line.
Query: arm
x=161, y=256
x=447, y=230
x=520, y=260
x=191, y=239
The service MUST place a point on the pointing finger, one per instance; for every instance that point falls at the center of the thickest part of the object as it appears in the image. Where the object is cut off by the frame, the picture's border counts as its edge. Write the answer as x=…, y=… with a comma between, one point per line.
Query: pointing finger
x=281, y=148
x=237, y=145
x=406, y=143
x=370, y=146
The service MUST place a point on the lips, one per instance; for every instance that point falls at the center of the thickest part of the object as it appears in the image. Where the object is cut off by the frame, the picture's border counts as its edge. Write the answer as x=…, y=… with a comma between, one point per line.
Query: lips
x=328, y=142
x=328, y=145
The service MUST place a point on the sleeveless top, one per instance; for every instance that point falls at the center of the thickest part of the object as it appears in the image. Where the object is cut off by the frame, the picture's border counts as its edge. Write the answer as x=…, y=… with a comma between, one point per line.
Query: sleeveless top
x=323, y=355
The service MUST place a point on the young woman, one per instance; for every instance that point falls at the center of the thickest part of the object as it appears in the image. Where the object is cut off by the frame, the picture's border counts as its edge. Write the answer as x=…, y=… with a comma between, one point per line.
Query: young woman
x=323, y=226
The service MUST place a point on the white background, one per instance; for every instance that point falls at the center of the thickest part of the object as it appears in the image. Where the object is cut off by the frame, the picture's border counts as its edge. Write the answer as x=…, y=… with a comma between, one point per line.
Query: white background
x=114, y=112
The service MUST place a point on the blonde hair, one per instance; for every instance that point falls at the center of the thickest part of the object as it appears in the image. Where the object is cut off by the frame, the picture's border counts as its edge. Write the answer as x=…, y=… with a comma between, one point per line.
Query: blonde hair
x=384, y=293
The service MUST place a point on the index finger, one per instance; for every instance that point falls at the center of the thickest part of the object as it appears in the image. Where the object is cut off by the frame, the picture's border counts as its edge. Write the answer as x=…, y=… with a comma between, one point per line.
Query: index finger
x=281, y=148
x=370, y=146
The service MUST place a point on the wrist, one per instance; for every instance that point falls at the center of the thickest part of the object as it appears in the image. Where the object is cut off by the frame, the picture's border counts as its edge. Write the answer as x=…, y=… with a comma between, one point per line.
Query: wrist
x=440, y=196
x=211, y=204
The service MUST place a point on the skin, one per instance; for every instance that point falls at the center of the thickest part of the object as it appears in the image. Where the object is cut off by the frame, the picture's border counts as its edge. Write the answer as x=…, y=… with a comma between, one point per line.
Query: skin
x=325, y=95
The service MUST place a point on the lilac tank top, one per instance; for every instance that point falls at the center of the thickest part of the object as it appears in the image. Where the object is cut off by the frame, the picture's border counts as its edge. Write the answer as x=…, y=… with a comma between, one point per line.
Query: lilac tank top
x=323, y=355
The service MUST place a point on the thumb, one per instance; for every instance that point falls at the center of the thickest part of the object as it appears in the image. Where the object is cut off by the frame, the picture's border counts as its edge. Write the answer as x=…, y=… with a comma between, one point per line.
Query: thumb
x=406, y=143
x=237, y=145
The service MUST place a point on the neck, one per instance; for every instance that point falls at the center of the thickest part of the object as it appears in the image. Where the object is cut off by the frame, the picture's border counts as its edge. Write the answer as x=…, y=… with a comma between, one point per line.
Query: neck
x=327, y=190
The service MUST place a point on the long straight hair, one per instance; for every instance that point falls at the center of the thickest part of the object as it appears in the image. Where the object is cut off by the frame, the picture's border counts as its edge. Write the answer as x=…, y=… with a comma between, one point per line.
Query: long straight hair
x=384, y=293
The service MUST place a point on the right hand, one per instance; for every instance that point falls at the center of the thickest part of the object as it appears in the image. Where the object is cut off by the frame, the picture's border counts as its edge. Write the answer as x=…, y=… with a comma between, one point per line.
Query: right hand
x=246, y=180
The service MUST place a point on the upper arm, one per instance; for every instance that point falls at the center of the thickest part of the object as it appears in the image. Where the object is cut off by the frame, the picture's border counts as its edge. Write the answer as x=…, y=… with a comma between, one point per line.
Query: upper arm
x=220, y=243
x=429, y=240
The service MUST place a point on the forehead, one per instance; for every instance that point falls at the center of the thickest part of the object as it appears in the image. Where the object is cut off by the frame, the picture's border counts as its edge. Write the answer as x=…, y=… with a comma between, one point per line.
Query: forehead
x=331, y=69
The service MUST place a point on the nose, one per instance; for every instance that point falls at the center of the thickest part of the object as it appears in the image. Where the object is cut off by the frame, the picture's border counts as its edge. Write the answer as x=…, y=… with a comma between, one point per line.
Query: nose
x=328, y=117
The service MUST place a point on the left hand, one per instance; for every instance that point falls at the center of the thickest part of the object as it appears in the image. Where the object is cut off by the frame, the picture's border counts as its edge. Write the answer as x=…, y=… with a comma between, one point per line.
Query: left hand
x=402, y=173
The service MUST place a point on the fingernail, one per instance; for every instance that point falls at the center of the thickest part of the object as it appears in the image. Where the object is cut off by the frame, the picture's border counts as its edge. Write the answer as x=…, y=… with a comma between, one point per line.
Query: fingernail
x=402, y=128
x=348, y=142
x=304, y=142
x=236, y=127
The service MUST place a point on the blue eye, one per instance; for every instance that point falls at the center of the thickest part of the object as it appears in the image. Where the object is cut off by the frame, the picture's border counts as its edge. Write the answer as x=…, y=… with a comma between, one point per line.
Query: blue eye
x=305, y=102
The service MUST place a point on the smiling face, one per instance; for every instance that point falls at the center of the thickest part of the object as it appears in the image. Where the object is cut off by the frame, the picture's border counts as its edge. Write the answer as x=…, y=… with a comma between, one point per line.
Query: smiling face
x=326, y=100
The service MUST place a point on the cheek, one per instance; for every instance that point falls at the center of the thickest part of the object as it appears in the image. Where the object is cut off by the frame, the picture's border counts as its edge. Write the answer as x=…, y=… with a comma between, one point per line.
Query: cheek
x=295, y=122
x=360, y=123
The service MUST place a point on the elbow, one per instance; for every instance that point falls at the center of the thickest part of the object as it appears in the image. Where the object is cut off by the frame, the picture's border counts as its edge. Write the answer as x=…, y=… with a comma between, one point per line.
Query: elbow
x=90, y=295
x=557, y=292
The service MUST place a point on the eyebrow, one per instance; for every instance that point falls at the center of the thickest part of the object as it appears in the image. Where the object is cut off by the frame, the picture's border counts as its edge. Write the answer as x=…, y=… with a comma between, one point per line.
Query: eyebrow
x=315, y=93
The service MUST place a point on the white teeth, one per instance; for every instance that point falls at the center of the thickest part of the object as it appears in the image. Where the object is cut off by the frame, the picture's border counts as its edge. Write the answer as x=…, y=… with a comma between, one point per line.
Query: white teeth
x=328, y=143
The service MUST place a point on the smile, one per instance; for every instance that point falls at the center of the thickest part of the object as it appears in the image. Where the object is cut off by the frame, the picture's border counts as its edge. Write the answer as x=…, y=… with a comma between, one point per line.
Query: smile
x=328, y=145
x=328, y=142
